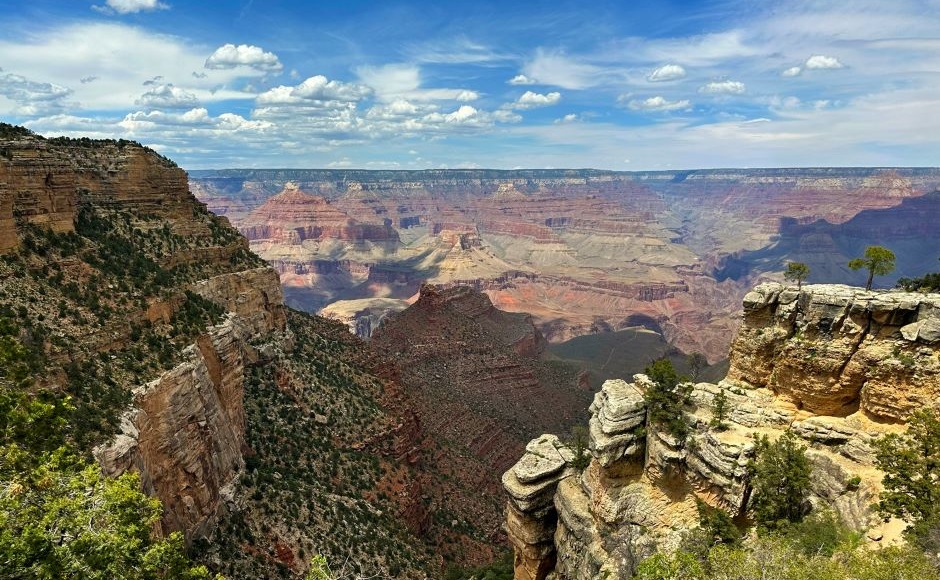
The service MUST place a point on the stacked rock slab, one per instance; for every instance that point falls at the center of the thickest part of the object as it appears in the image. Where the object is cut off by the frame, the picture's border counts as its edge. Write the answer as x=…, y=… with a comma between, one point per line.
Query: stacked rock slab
x=530, y=511
x=834, y=365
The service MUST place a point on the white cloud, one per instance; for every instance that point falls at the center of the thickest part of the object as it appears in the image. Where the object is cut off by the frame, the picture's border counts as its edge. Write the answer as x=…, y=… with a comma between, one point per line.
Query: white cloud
x=230, y=56
x=667, y=72
x=555, y=68
x=465, y=96
x=31, y=97
x=569, y=118
x=521, y=80
x=131, y=6
x=316, y=89
x=793, y=71
x=122, y=58
x=820, y=61
x=657, y=103
x=167, y=97
x=722, y=88
x=141, y=123
x=403, y=81
x=532, y=100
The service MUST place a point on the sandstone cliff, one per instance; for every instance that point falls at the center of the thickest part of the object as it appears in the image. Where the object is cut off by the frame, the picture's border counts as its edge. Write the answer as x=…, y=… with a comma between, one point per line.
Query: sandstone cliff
x=835, y=365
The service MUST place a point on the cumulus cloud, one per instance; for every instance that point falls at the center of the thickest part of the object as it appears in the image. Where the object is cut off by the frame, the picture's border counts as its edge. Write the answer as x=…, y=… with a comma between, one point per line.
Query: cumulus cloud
x=230, y=56
x=820, y=61
x=316, y=89
x=668, y=72
x=793, y=71
x=155, y=121
x=131, y=6
x=88, y=79
x=167, y=97
x=657, y=103
x=722, y=88
x=32, y=97
x=521, y=80
x=569, y=118
x=465, y=96
x=532, y=100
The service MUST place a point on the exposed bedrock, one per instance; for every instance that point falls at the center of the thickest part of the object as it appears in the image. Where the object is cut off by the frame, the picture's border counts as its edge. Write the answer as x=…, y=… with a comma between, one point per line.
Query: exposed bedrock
x=834, y=365
x=833, y=350
x=185, y=431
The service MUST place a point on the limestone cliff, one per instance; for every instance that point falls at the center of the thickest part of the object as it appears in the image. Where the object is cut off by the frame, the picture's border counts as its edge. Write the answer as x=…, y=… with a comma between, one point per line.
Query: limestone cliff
x=837, y=366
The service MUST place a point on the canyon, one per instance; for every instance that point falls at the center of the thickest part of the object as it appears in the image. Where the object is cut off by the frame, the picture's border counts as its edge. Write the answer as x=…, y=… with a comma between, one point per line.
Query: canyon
x=582, y=251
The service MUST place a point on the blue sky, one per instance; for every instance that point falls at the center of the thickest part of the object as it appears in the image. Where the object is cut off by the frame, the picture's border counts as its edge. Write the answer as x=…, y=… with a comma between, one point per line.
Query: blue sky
x=419, y=84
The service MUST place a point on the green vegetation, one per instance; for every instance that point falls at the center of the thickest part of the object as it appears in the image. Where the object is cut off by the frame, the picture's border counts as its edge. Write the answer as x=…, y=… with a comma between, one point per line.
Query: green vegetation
x=667, y=397
x=911, y=464
x=313, y=485
x=780, y=477
x=697, y=362
x=879, y=261
x=624, y=353
x=775, y=558
x=719, y=411
x=926, y=283
x=501, y=569
x=578, y=444
x=59, y=516
x=796, y=271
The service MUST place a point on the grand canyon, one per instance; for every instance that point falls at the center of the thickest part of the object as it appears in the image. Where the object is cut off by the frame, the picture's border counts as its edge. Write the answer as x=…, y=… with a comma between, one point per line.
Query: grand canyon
x=582, y=251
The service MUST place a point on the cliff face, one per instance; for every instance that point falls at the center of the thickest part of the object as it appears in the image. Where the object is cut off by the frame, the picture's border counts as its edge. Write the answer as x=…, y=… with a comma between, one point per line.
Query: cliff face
x=257, y=427
x=837, y=366
x=185, y=432
x=138, y=265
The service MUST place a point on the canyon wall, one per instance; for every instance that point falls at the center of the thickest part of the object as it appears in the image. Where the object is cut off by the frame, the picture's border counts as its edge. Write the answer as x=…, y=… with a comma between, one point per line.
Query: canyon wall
x=577, y=249
x=835, y=365
x=184, y=430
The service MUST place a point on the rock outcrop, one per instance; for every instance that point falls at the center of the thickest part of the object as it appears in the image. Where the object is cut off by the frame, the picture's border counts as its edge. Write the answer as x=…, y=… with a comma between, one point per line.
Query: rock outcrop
x=836, y=366
x=185, y=432
x=834, y=350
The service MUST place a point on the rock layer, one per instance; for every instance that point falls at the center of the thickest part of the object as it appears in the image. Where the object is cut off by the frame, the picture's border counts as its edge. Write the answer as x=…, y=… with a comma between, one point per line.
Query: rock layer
x=582, y=248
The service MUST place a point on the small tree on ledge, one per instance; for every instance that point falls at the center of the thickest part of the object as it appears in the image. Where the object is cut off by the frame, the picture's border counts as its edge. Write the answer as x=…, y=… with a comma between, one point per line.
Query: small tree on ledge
x=796, y=271
x=878, y=260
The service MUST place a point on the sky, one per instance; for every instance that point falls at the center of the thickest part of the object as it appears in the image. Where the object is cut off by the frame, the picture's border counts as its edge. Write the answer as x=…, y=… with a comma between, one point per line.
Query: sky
x=418, y=84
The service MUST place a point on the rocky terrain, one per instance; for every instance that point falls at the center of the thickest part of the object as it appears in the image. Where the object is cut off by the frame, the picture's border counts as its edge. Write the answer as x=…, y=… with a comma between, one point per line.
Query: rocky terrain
x=475, y=376
x=835, y=365
x=260, y=429
x=581, y=250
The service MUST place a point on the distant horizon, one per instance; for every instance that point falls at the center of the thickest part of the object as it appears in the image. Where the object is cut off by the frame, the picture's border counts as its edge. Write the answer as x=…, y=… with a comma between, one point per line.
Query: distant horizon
x=596, y=169
x=409, y=84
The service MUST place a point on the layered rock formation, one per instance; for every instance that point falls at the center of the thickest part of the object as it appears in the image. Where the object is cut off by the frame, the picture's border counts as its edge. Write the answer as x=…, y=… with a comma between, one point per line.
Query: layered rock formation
x=578, y=249
x=835, y=365
x=473, y=375
x=185, y=433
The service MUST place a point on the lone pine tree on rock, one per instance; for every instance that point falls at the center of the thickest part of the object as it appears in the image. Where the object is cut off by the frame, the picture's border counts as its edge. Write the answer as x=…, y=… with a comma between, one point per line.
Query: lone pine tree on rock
x=878, y=260
x=796, y=271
